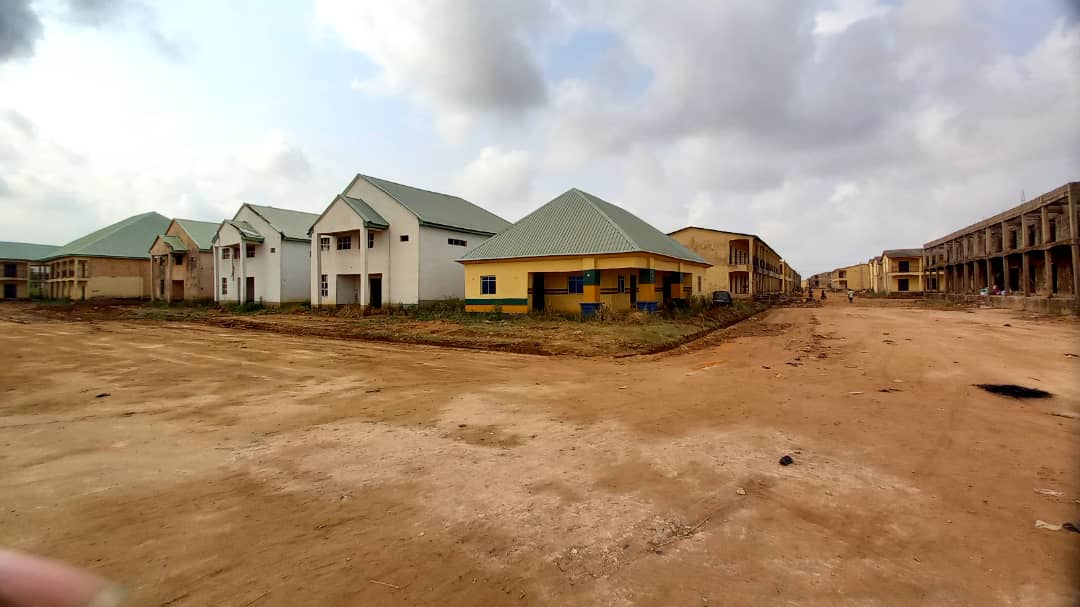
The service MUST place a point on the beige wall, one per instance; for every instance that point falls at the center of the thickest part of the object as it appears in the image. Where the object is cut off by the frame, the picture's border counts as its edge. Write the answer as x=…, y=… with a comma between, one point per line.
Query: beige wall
x=21, y=280
x=893, y=275
x=721, y=249
x=91, y=277
x=196, y=271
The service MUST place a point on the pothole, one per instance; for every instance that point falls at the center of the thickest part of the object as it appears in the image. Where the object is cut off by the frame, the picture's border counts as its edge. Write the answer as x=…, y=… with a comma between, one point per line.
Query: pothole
x=1014, y=390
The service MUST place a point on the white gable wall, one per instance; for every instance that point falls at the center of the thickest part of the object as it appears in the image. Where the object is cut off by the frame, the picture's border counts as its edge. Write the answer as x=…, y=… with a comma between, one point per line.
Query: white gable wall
x=338, y=220
x=401, y=259
x=265, y=267
x=229, y=269
x=441, y=276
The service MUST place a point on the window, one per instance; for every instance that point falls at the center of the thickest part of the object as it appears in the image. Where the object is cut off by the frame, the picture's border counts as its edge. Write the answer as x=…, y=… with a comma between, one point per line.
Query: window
x=370, y=240
x=699, y=284
x=575, y=284
x=456, y=242
x=226, y=253
x=404, y=238
x=487, y=285
x=225, y=285
x=250, y=251
x=324, y=243
x=843, y=273
x=178, y=260
x=622, y=284
x=344, y=243
x=324, y=286
x=905, y=266
x=273, y=250
x=9, y=270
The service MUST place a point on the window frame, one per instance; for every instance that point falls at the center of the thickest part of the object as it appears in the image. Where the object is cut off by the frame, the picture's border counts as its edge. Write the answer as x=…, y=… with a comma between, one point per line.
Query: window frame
x=249, y=252
x=324, y=243
x=575, y=284
x=344, y=243
x=622, y=284
x=324, y=285
x=403, y=238
x=226, y=253
x=371, y=240
x=457, y=242
x=488, y=285
x=224, y=285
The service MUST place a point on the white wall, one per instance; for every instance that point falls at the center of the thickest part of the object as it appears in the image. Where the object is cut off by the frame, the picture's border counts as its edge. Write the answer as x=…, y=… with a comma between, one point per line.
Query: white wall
x=401, y=259
x=295, y=270
x=441, y=276
x=338, y=221
x=229, y=269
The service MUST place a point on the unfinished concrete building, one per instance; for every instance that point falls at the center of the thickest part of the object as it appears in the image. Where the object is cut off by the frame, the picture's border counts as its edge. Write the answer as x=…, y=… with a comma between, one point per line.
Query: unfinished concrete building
x=742, y=264
x=1026, y=257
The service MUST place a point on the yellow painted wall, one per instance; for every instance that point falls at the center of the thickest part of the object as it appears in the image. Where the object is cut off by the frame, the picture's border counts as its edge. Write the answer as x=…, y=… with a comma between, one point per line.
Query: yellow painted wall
x=514, y=279
x=716, y=247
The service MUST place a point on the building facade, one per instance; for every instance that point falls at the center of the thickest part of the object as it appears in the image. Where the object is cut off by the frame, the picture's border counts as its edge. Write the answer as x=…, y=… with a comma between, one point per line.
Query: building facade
x=262, y=255
x=182, y=262
x=383, y=242
x=112, y=262
x=1030, y=250
x=23, y=271
x=742, y=264
x=854, y=277
x=578, y=254
x=902, y=271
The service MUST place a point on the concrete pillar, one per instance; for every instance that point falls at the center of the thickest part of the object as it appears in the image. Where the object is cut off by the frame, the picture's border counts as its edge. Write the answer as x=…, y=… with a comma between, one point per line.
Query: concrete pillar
x=590, y=300
x=1075, y=247
x=1024, y=274
x=1048, y=271
x=646, y=290
x=989, y=273
x=216, y=251
x=967, y=282
x=241, y=287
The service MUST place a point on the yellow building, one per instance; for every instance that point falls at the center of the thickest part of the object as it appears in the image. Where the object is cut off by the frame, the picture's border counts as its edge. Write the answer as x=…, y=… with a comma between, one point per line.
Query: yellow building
x=112, y=262
x=576, y=254
x=902, y=271
x=854, y=278
x=742, y=264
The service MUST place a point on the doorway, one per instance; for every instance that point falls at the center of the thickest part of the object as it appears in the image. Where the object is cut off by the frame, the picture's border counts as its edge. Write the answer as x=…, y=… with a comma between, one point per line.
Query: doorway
x=10, y=291
x=667, y=288
x=902, y=284
x=538, y=292
x=633, y=291
x=375, y=286
x=177, y=290
x=249, y=289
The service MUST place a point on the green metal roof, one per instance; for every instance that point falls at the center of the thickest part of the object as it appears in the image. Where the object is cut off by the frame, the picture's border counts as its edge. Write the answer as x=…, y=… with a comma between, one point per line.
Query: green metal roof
x=441, y=210
x=202, y=232
x=25, y=251
x=293, y=225
x=246, y=231
x=174, y=242
x=131, y=237
x=371, y=217
x=578, y=223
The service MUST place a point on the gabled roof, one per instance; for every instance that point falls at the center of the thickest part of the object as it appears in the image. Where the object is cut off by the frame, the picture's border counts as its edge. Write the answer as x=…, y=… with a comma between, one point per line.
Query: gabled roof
x=371, y=217
x=902, y=252
x=174, y=242
x=202, y=232
x=25, y=251
x=246, y=231
x=439, y=210
x=293, y=225
x=130, y=238
x=578, y=223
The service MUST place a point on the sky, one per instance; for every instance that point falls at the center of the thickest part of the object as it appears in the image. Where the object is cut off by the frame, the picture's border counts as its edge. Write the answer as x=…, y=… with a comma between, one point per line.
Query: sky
x=833, y=129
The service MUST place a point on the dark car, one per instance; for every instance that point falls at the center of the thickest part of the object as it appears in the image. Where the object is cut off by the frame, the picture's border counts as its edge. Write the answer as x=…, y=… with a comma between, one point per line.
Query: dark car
x=721, y=298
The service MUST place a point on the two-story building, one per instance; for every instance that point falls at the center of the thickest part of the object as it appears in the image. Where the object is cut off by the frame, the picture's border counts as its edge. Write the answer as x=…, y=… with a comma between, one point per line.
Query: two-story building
x=262, y=255
x=22, y=269
x=384, y=242
x=742, y=264
x=901, y=271
x=182, y=261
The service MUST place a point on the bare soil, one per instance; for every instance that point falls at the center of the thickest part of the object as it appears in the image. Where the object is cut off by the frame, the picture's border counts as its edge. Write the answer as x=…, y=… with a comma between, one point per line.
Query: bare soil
x=203, y=465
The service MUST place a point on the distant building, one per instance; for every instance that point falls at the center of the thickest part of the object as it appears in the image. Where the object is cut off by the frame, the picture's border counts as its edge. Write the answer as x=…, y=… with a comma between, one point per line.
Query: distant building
x=262, y=255
x=380, y=241
x=113, y=262
x=1031, y=250
x=820, y=280
x=901, y=271
x=22, y=269
x=182, y=261
x=575, y=254
x=854, y=277
x=743, y=264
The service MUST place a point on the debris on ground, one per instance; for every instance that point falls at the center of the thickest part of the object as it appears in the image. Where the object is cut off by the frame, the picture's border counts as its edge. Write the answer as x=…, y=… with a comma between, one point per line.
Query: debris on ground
x=1041, y=524
x=855, y=393
x=1071, y=355
x=786, y=460
x=1050, y=492
x=103, y=395
x=1064, y=414
x=1014, y=390
x=740, y=491
x=1070, y=527
x=890, y=390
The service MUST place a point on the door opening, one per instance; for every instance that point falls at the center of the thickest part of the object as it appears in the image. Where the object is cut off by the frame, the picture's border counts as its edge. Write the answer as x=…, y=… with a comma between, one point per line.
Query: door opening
x=249, y=289
x=538, y=292
x=375, y=289
x=633, y=291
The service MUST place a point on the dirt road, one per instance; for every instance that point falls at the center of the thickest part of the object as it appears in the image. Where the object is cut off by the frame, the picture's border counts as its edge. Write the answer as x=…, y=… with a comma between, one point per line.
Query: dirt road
x=207, y=466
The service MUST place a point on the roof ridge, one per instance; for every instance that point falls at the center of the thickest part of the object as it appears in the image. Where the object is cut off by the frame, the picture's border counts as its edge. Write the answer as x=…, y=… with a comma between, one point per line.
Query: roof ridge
x=591, y=200
x=405, y=185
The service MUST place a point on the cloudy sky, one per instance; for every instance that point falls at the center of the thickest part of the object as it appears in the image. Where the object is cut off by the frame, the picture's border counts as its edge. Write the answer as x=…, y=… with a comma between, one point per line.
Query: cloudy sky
x=832, y=128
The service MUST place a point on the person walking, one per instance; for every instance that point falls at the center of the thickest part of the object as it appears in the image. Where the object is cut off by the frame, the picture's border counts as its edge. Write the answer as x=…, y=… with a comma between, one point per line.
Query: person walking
x=850, y=296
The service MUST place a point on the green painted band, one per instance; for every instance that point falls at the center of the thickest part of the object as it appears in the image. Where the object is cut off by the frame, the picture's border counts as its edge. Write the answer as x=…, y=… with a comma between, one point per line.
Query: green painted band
x=505, y=301
x=591, y=277
x=647, y=277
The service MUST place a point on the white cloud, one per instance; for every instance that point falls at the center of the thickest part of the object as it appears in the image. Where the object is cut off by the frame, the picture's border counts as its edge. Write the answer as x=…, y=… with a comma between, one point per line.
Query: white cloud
x=498, y=178
x=845, y=13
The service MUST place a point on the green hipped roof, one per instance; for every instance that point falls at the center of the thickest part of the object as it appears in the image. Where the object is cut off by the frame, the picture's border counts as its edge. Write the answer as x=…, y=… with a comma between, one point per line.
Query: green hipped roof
x=25, y=251
x=578, y=223
x=441, y=210
x=174, y=242
x=371, y=217
x=293, y=225
x=202, y=232
x=131, y=237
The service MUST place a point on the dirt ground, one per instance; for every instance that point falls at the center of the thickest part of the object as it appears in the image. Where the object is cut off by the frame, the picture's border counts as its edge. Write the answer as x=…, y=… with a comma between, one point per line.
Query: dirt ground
x=201, y=465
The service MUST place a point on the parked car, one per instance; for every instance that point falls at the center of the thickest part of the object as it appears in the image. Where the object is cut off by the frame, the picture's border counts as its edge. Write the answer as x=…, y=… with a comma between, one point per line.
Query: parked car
x=721, y=298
